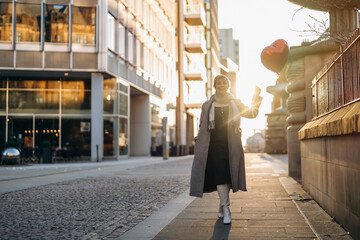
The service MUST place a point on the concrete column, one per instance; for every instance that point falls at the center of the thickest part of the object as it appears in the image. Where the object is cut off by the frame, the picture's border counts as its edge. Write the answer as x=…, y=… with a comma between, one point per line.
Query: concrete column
x=296, y=105
x=140, y=127
x=97, y=109
x=180, y=108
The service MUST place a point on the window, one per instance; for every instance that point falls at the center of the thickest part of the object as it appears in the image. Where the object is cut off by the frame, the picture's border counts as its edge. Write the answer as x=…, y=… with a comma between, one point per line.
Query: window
x=56, y=23
x=5, y=21
x=83, y=25
x=2, y=101
x=40, y=101
x=121, y=30
x=123, y=104
x=111, y=32
x=130, y=55
x=109, y=136
x=28, y=22
x=76, y=136
x=123, y=136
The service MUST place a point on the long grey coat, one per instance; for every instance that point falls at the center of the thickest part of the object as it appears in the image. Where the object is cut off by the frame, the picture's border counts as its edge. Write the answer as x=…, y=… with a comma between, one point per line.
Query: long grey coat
x=236, y=158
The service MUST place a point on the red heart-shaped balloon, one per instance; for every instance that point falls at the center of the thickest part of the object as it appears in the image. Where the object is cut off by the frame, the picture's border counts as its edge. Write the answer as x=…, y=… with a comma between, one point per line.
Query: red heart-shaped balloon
x=274, y=57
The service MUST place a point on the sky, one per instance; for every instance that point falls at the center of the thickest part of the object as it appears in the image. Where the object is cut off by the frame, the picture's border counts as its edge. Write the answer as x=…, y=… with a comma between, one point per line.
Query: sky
x=257, y=24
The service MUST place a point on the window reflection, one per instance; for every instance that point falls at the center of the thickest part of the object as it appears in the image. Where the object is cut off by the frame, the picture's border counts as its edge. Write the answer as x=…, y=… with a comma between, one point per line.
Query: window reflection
x=75, y=101
x=34, y=101
x=123, y=136
x=109, y=99
x=123, y=104
x=155, y=114
x=28, y=22
x=76, y=137
x=2, y=133
x=111, y=32
x=121, y=30
x=5, y=21
x=123, y=88
x=2, y=83
x=2, y=100
x=110, y=84
x=109, y=137
x=79, y=85
x=56, y=23
x=31, y=84
x=83, y=26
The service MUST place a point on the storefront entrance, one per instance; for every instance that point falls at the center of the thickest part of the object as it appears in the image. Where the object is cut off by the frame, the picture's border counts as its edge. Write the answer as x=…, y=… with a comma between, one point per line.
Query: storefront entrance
x=31, y=134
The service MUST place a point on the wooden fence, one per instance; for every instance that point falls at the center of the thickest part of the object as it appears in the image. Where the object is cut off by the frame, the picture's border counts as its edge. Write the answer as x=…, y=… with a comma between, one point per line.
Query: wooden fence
x=338, y=83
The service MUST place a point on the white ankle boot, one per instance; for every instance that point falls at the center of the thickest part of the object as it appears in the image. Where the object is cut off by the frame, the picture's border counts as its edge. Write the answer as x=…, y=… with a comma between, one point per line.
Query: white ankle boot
x=220, y=211
x=227, y=215
x=223, y=191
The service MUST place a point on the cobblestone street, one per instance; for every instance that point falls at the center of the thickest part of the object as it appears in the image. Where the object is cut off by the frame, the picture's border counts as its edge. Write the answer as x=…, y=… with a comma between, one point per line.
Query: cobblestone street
x=95, y=207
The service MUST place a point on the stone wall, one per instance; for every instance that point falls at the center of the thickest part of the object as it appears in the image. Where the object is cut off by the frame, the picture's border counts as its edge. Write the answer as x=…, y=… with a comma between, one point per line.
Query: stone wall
x=330, y=160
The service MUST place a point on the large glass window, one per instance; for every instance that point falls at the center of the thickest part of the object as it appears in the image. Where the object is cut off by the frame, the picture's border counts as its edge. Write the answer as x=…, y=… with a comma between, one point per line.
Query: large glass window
x=123, y=136
x=122, y=37
x=56, y=23
x=72, y=101
x=110, y=32
x=124, y=88
x=41, y=101
x=2, y=83
x=28, y=21
x=109, y=137
x=75, y=96
x=155, y=114
x=76, y=136
x=109, y=102
x=47, y=133
x=32, y=84
x=156, y=141
x=2, y=133
x=83, y=25
x=5, y=21
x=20, y=132
x=2, y=101
x=130, y=55
x=123, y=104
x=110, y=84
x=76, y=85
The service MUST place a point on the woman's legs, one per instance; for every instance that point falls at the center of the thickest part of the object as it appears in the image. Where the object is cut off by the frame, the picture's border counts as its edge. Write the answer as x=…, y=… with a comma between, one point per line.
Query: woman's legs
x=224, y=211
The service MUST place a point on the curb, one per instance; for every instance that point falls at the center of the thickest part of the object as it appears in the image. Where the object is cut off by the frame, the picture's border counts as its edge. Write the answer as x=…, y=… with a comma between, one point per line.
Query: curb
x=323, y=226
x=152, y=225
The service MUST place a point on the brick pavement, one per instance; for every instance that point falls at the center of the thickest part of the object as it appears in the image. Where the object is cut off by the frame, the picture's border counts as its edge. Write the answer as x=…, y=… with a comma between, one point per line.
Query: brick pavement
x=97, y=207
x=265, y=211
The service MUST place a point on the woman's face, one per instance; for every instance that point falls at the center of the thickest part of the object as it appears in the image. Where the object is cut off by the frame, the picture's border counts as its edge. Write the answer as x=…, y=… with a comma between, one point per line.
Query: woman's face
x=221, y=86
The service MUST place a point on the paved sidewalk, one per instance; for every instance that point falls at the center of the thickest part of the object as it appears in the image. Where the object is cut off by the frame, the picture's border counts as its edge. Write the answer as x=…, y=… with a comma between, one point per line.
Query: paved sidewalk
x=268, y=210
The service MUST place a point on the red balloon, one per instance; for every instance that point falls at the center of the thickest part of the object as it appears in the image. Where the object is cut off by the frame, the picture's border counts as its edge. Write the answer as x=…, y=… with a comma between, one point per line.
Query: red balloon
x=274, y=57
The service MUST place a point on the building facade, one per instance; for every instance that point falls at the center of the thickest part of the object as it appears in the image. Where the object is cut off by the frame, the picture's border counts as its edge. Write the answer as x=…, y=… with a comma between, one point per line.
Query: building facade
x=229, y=47
x=96, y=77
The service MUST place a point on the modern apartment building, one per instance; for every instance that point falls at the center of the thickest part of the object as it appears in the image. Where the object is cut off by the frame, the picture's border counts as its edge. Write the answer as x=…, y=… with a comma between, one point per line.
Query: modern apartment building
x=212, y=60
x=229, y=47
x=94, y=76
x=191, y=70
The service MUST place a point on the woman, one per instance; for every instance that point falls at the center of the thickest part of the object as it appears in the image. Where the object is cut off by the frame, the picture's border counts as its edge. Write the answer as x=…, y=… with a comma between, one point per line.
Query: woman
x=219, y=156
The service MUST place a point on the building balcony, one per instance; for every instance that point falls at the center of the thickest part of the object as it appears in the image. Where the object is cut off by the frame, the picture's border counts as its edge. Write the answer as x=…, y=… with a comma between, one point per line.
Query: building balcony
x=195, y=73
x=195, y=43
x=195, y=94
x=195, y=15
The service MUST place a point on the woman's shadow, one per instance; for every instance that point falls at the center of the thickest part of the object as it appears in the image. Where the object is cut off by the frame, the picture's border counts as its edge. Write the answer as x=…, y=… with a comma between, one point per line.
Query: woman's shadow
x=221, y=231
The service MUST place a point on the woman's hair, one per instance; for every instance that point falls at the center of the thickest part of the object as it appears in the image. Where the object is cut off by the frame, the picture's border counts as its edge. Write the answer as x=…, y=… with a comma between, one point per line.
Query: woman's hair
x=221, y=77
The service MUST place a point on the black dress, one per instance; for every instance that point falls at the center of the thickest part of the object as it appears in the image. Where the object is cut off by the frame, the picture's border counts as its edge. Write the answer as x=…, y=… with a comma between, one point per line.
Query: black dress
x=217, y=167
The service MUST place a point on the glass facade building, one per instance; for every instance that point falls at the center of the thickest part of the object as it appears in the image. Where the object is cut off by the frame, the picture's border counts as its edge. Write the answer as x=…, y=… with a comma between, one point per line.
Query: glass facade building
x=85, y=75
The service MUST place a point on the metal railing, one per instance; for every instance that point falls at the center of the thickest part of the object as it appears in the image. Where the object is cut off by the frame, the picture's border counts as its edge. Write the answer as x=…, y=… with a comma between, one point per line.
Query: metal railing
x=338, y=83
